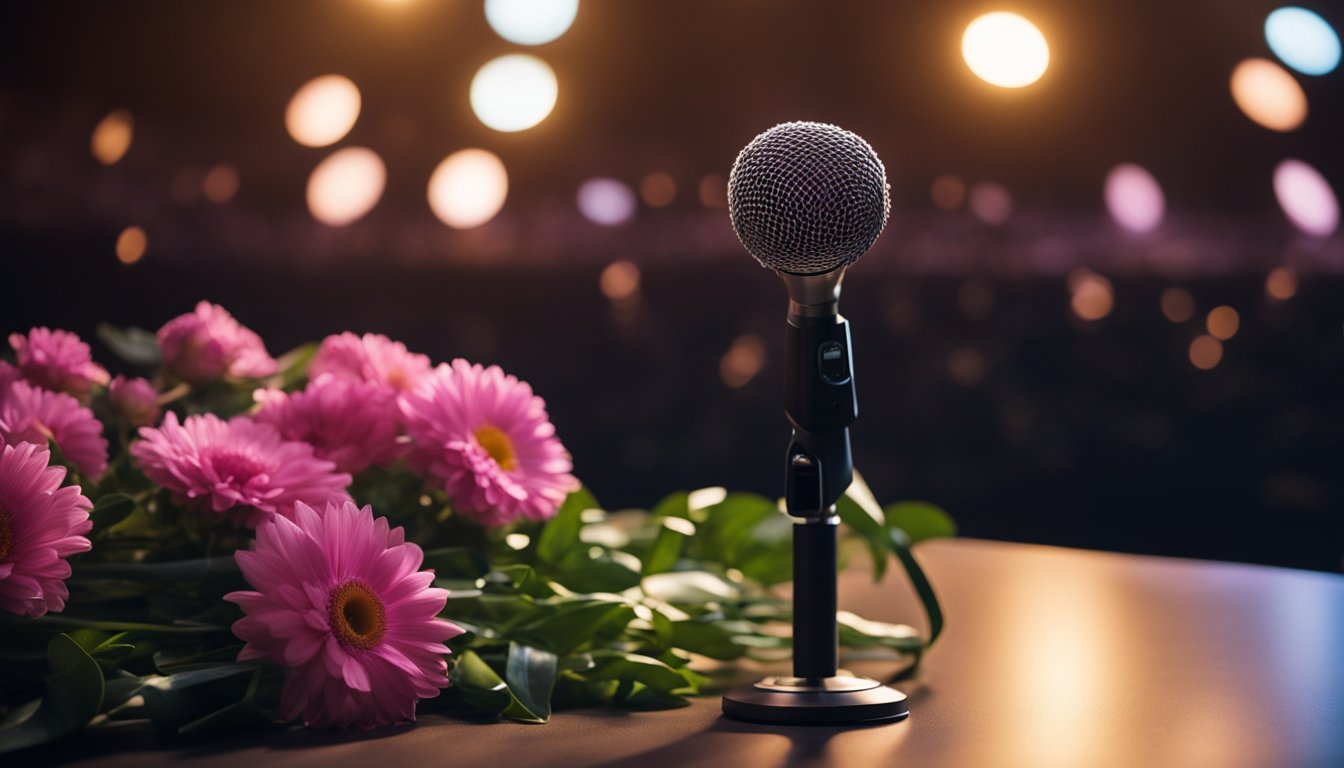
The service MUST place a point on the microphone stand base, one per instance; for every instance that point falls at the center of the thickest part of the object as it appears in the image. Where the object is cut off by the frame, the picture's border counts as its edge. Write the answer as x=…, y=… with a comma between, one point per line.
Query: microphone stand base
x=837, y=700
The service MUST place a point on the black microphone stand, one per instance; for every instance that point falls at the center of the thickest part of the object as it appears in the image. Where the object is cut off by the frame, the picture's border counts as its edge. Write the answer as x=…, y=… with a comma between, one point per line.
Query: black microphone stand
x=820, y=401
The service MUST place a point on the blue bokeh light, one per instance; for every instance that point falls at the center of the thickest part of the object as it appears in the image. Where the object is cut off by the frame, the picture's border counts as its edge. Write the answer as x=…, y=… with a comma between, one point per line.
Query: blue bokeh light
x=1303, y=40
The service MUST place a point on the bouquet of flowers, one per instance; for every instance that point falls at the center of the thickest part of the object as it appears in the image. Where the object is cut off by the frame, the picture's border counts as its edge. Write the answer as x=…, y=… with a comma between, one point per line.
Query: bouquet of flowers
x=332, y=536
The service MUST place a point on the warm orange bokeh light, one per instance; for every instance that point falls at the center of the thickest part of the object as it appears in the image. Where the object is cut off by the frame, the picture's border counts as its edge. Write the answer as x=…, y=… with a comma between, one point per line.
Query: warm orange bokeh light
x=323, y=111
x=1267, y=94
x=619, y=281
x=1281, y=283
x=1177, y=305
x=220, y=184
x=743, y=360
x=658, y=190
x=112, y=137
x=1093, y=298
x=1205, y=352
x=1222, y=322
x=713, y=192
x=131, y=245
x=948, y=192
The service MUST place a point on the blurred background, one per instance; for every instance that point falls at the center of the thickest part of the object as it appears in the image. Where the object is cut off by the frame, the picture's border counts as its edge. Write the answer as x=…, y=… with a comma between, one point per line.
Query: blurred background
x=1108, y=311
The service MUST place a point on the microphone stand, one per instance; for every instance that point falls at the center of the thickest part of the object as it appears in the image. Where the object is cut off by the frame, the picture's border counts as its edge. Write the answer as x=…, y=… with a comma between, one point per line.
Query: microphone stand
x=820, y=401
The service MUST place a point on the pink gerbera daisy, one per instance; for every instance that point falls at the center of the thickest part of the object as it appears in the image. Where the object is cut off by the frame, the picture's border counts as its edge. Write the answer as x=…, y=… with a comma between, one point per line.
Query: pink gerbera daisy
x=351, y=423
x=236, y=466
x=207, y=343
x=41, y=524
x=57, y=360
x=371, y=357
x=134, y=400
x=32, y=415
x=488, y=440
x=340, y=601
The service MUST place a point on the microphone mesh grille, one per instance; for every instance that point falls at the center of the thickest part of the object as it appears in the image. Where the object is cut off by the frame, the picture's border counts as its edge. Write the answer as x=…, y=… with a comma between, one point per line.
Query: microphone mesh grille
x=807, y=198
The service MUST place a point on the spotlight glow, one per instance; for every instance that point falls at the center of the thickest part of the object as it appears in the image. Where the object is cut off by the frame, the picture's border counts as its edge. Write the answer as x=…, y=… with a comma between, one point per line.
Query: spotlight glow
x=513, y=92
x=1268, y=95
x=468, y=188
x=1303, y=40
x=1306, y=198
x=1134, y=198
x=131, y=245
x=323, y=111
x=1005, y=49
x=530, y=22
x=346, y=185
x=112, y=137
x=607, y=202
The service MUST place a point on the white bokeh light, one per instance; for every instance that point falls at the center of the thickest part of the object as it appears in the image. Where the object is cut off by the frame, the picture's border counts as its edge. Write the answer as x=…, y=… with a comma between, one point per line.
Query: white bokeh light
x=468, y=188
x=1306, y=198
x=1005, y=49
x=1134, y=198
x=1303, y=40
x=323, y=111
x=530, y=22
x=606, y=201
x=346, y=185
x=513, y=92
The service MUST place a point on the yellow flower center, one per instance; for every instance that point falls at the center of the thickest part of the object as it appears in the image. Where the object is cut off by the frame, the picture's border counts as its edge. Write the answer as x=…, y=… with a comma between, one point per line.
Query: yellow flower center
x=498, y=445
x=6, y=536
x=357, y=616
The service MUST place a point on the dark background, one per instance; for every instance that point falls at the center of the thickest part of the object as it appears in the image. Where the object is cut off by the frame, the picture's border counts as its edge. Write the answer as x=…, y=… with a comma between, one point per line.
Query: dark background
x=1098, y=434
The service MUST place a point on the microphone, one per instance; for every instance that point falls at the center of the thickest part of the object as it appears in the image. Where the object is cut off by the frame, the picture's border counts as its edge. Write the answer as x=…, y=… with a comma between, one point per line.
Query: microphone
x=807, y=200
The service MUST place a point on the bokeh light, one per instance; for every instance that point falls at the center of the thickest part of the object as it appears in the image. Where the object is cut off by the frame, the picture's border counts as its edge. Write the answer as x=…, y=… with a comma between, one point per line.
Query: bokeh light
x=966, y=366
x=468, y=188
x=743, y=360
x=1005, y=49
x=1205, y=352
x=112, y=137
x=1303, y=40
x=1134, y=198
x=713, y=191
x=1268, y=95
x=131, y=245
x=975, y=299
x=948, y=192
x=606, y=201
x=1306, y=198
x=1281, y=283
x=619, y=281
x=991, y=202
x=346, y=185
x=1177, y=305
x=530, y=22
x=1093, y=297
x=323, y=111
x=513, y=92
x=220, y=183
x=658, y=190
x=1222, y=322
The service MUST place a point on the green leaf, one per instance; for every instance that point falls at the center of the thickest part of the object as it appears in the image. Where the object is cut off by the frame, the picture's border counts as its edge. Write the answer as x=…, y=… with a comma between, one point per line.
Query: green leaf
x=673, y=505
x=667, y=545
x=292, y=366
x=690, y=587
x=560, y=536
x=706, y=639
x=575, y=623
x=530, y=673
x=630, y=668
x=133, y=345
x=481, y=687
x=932, y=610
x=74, y=693
x=110, y=509
x=872, y=532
x=456, y=563
x=920, y=520
x=856, y=631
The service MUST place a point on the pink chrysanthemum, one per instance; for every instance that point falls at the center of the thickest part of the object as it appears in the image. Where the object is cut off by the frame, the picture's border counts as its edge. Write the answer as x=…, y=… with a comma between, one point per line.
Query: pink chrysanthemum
x=351, y=423
x=41, y=524
x=57, y=360
x=32, y=415
x=207, y=343
x=488, y=440
x=371, y=357
x=340, y=601
x=134, y=400
x=8, y=375
x=236, y=466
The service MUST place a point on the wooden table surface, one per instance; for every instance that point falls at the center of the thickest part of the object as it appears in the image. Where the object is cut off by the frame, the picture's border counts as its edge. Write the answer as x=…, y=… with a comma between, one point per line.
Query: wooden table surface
x=1052, y=657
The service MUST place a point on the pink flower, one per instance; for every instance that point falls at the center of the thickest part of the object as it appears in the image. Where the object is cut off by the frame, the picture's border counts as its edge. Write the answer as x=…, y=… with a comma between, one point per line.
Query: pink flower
x=351, y=423
x=236, y=466
x=340, y=601
x=8, y=375
x=371, y=357
x=41, y=524
x=207, y=343
x=134, y=400
x=488, y=440
x=57, y=360
x=32, y=415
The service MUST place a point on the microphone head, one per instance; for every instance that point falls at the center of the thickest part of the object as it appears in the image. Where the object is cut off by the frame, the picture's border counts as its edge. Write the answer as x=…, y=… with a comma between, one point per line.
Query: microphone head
x=808, y=198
